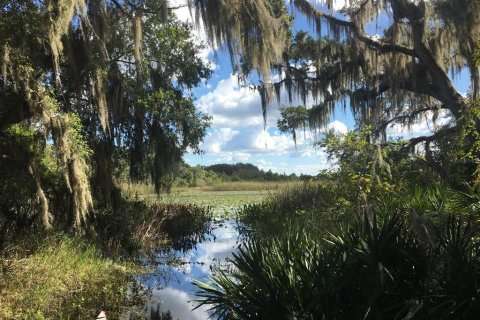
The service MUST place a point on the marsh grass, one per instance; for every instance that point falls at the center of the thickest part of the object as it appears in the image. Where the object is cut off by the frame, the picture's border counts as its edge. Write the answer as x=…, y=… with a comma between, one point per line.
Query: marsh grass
x=141, y=190
x=142, y=230
x=223, y=199
x=249, y=185
x=314, y=206
x=244, y=188
x=320, y=252
x=62, y=278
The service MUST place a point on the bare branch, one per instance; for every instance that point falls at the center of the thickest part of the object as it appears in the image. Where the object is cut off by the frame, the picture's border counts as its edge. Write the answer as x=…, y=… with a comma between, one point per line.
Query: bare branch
x=408, y=117
x=434, y=137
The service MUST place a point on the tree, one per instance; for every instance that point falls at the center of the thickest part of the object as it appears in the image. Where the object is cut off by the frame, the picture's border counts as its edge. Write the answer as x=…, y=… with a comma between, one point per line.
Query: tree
x=87, y=82
x=398, y=76
x=292, y=119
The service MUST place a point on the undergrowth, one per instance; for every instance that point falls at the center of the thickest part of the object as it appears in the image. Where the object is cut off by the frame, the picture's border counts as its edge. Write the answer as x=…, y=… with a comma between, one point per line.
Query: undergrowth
x=58, y=275
x=324, y=252
x=63, y=278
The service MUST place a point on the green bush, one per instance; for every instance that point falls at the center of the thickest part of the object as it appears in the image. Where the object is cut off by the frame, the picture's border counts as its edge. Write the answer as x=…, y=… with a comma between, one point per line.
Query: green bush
x=372, y=268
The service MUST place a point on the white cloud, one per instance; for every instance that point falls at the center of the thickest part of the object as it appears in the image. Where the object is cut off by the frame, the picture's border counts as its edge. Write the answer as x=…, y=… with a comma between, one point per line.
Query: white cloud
x=225, y=157
x=337, y=4
x=241, y=156
x=238, y=133
x=337, y=127
x=311, y=168
x=178, y=302
x=233, y=156
x=231, y=105
x=263, y=164
x=424, y=126
x=215, y=140
x=241, y=143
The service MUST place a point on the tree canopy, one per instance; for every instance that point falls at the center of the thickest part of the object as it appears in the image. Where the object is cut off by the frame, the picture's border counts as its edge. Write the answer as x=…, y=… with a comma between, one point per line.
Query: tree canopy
x=85, y=86
x=90, y=85
x=402, y=70
x=400, y=73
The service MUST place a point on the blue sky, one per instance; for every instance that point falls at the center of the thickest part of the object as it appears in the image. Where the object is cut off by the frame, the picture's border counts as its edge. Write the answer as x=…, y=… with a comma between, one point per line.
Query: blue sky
x=237, y=132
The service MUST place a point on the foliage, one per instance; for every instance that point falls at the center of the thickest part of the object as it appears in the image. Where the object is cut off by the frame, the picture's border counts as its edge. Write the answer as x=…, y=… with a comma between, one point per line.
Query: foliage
x=222, y=175
x=470, y=136
x=248, y=172
x=476, y=54
x=357, y=242
x=55, y=276
x=269, y=281
x=372, y=267
x=62, y=278
x=356, y=155
x=93, y=83
x=313, y=206
x=293, y=118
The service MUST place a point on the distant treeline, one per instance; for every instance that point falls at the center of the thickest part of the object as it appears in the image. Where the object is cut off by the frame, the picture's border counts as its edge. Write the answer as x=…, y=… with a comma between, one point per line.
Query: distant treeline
x=204, y=175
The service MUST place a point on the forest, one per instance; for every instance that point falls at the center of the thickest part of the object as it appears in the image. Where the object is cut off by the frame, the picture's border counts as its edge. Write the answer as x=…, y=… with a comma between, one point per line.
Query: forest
x=224, y=172
x=97, y=96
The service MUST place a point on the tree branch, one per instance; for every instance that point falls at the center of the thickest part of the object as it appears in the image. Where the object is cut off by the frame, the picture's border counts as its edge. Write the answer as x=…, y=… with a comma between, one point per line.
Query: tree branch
x=381, y=47
x=409, y=117
x=434, y=137
x=122, y=9
x=445, y=92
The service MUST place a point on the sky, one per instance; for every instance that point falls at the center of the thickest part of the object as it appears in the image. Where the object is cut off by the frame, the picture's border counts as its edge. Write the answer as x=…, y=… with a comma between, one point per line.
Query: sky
x=237, y=132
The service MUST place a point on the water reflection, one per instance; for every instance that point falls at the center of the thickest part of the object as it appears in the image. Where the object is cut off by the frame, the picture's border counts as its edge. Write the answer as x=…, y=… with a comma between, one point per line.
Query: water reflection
x=171, y=284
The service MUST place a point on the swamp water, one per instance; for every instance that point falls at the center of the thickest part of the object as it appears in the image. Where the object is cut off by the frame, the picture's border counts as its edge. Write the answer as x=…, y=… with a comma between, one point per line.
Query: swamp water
x=172, y=291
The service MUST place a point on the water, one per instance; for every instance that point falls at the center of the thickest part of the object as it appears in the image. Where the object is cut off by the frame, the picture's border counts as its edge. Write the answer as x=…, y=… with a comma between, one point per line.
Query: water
x=171, y=283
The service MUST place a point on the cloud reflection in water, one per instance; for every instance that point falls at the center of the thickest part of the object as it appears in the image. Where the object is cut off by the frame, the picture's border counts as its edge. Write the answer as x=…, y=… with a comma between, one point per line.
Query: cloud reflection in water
x=172, y=284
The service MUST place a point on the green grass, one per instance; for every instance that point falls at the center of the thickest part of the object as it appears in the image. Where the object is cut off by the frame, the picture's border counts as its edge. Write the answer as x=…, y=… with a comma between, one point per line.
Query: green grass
x=224, y=198
x=245, y=186
x=216, y=198
x=63, y=278
x=56, y=276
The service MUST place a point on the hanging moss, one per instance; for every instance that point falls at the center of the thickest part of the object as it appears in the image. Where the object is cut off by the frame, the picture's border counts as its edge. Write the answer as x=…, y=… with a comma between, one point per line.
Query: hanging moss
x=73, y=152
x=47, y=217
x=5, y=63
x=401, y=77
x=384, y=77
x=75, y=75
x=61, y=13
x=100, y=97
x=257, y=30
x=137, y=39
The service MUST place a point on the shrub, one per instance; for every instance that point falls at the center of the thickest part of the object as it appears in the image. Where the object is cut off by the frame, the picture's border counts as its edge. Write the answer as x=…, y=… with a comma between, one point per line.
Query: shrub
x=372, y=268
